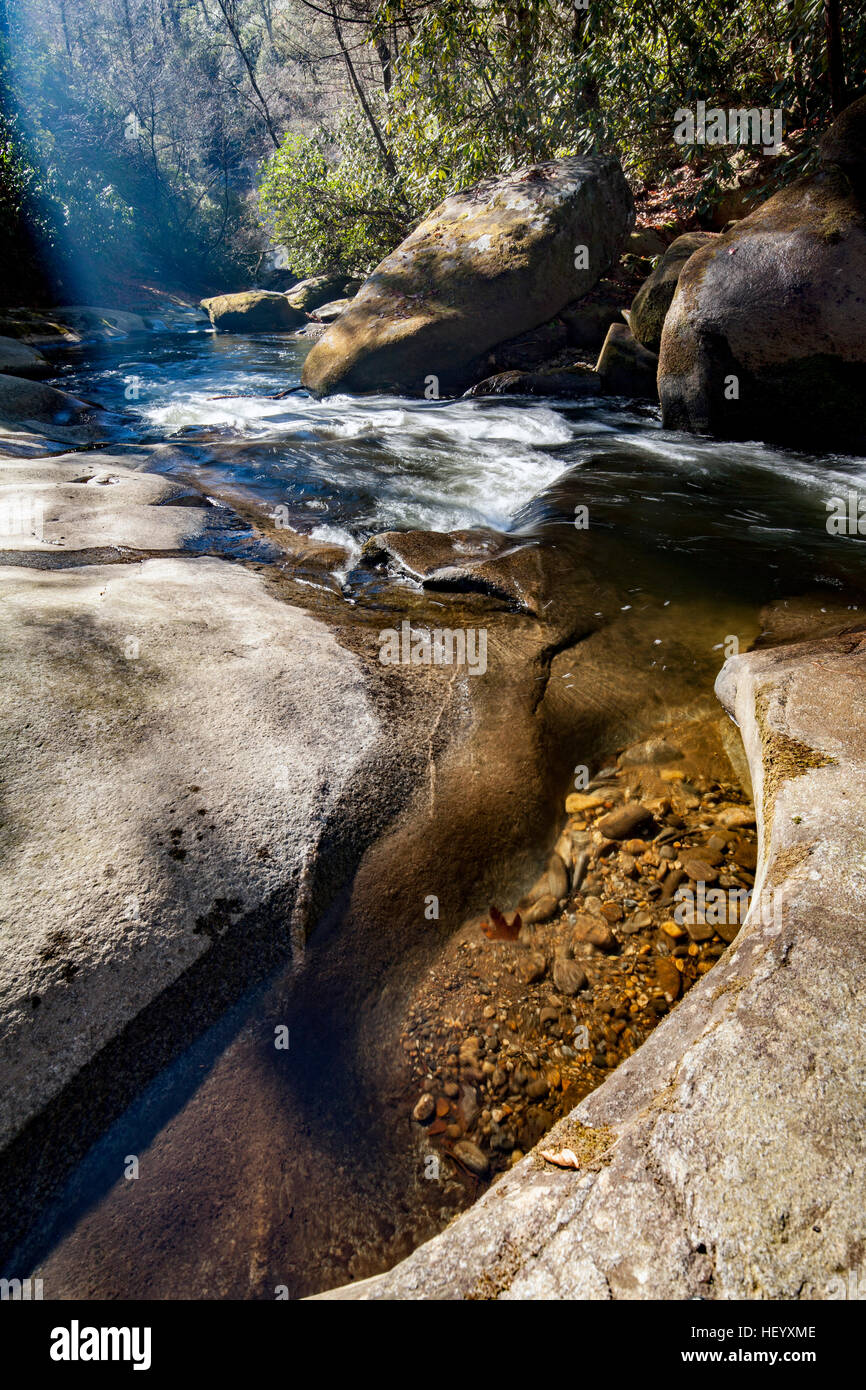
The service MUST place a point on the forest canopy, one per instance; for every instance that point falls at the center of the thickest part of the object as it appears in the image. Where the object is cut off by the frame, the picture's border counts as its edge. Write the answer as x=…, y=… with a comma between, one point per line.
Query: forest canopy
x=183, y=139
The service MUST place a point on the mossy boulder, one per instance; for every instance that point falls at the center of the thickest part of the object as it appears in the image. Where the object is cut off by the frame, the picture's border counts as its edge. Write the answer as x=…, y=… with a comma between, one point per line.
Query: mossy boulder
x=766, y=334
x=844, y=146
x=253, y=311
x=490, y=263
x=653, y=299
x=37, y=327
x=309, y=295
x=95, y=322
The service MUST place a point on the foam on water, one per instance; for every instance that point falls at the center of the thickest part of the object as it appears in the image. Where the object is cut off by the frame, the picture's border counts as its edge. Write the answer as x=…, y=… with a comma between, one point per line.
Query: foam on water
x=438, y=465
x=230, y=412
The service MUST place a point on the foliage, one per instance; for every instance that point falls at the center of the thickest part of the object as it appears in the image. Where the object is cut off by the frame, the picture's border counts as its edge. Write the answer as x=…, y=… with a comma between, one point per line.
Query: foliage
x=139, y=128
x=479, y=88
x=330, y=203
x=143, y=121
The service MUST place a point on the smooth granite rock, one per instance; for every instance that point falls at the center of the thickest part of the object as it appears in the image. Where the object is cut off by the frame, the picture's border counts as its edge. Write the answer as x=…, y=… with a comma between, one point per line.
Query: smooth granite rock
x=162, y=786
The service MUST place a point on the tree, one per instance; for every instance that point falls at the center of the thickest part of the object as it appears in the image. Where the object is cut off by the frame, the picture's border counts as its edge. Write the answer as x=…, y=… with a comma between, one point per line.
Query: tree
x=835, y=67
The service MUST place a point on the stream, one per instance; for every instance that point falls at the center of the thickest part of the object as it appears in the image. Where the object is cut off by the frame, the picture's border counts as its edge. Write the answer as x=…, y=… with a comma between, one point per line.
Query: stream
x=753, y=518
x=263, y=1183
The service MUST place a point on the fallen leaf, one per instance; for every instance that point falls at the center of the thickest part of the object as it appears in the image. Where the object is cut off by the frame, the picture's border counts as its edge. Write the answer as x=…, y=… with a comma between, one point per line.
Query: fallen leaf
x=499, y=928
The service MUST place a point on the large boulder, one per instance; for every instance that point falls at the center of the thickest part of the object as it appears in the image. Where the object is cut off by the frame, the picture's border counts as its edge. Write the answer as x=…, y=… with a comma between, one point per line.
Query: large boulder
x=844, y=145
x=653, y=299
x=91, y=322
x=30, y=408
x=252, y=311
x=37, y=327
x=162, y=792
x=491, y=262
x=766, y=334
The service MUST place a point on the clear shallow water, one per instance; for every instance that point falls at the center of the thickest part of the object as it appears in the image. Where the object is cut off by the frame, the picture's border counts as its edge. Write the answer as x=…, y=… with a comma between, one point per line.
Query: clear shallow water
x=345, y=468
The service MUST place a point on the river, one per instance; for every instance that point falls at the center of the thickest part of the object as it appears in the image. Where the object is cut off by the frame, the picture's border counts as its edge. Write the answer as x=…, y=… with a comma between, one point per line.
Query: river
x=255, y=1182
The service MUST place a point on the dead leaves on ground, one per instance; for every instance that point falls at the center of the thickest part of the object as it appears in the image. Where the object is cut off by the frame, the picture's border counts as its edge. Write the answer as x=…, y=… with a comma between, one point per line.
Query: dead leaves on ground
x=498, y=928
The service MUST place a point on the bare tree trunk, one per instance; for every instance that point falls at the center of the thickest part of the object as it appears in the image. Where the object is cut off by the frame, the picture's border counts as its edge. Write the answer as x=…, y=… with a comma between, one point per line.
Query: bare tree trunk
x=387, y=158
x=228, y=14
x=384, y=53
x=129, y=32
x=267, y=16
x=65, y=27
x=795, y=63
x=835, y=65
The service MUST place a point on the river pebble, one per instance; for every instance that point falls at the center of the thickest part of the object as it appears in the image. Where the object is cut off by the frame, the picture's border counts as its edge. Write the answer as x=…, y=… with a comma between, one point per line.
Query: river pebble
x=507, y=1036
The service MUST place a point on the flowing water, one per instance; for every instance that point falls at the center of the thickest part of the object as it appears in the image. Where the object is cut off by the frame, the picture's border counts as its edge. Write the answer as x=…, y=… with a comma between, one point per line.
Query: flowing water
x=242, y=1169
x=748, y=518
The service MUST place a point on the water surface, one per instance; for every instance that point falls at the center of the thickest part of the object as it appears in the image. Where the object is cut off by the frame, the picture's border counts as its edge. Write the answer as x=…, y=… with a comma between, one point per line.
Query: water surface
x=230, y=413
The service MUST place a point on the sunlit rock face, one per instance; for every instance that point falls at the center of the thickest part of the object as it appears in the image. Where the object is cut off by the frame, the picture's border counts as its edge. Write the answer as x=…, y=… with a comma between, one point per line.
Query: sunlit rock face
x=309, y=295
x=489, y=263
x=766, y=334
x=252, y=311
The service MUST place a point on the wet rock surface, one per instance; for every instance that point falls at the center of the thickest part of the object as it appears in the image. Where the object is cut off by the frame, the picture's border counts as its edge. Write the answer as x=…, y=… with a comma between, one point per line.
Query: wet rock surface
x=359, y=1189
x=457, y=799
x=721, y=1124
x=19, y=359
x=35, y=418
x=481, y=561
x=528, y=1011
x=559, y=385
x=164, y=833
x=80, y=505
